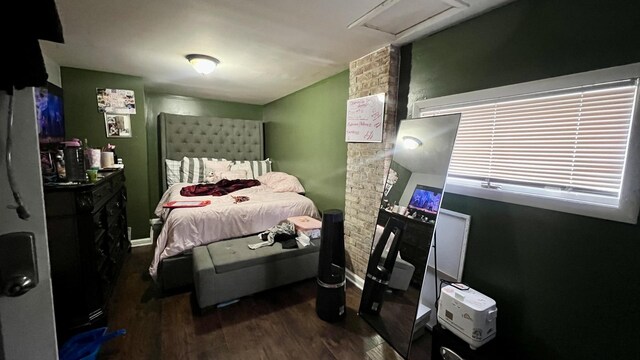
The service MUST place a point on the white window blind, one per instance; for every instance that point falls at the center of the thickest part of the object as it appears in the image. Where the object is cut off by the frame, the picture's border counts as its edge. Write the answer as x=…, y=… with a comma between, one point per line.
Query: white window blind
x=571, y=140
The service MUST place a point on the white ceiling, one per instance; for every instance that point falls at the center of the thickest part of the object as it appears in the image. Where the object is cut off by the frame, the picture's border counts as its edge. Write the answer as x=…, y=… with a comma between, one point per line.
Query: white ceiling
x=267, y=49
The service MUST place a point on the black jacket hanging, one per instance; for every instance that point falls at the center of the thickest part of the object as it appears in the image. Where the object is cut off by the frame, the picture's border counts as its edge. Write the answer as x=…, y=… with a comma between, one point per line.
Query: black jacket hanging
x=26, y=23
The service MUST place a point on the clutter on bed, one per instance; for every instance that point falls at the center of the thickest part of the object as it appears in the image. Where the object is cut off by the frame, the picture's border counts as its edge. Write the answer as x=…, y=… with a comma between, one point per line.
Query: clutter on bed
x=184, y=204
x=222, y=187
x=224, y=218
x=239, y=199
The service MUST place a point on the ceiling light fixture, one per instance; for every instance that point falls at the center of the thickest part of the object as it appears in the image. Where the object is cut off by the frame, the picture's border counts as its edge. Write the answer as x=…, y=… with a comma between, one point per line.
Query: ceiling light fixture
x=411, y=142
x=202, y=63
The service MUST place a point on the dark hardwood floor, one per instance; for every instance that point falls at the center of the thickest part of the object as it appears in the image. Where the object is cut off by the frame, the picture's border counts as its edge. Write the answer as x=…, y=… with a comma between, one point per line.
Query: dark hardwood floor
x=275, y=324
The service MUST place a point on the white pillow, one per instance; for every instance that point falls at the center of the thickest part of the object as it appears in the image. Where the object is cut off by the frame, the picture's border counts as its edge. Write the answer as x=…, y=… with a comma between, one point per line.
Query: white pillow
x=260, y=167
x=254, y=168
x=216, y=165
x=242, y=166
x=173, y=171
x=192, y=170
x=281, y=182
x=216, y=176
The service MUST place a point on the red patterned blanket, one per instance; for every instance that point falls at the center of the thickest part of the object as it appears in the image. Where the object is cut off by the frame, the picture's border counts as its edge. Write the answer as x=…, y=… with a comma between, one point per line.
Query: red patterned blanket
x=222, y=187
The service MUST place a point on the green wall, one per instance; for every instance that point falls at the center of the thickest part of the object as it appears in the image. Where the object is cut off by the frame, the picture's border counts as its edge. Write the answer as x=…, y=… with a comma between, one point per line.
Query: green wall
x=305, y=134
x=82, y=120
x=157, y=103
x=566, y=285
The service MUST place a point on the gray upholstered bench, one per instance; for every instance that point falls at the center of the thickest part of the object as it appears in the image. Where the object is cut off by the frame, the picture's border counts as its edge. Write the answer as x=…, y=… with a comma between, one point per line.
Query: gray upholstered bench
x=227, y=270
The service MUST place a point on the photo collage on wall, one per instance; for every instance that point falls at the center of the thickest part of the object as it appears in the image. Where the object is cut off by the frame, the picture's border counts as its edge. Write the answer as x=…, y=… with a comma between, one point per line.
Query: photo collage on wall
x=117, y=106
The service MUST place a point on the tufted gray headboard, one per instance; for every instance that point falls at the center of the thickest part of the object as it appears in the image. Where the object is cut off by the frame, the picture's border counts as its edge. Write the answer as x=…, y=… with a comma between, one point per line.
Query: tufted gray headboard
x=204, y=136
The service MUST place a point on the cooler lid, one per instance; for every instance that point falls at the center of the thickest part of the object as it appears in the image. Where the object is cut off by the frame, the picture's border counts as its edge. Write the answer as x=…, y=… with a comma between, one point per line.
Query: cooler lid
x=470, y=297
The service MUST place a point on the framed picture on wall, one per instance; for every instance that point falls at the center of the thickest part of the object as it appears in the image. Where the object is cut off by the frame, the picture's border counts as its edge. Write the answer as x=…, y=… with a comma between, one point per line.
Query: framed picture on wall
x=117, y=126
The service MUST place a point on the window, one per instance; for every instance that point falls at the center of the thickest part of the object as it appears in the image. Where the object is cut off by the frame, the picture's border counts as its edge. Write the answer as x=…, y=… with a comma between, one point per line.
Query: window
x=565, y=144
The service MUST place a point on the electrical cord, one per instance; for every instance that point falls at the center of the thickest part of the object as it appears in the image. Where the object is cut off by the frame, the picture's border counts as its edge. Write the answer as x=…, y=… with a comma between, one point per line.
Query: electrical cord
x=438, y=287
x=21, y=209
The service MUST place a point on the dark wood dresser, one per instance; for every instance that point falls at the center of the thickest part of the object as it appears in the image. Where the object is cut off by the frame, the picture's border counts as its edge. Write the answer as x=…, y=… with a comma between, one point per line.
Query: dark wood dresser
x=414, y=247
x=88, y=240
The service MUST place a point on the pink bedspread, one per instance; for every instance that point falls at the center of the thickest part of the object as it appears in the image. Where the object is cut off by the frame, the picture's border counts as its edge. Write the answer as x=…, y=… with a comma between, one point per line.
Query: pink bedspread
x=186, y=228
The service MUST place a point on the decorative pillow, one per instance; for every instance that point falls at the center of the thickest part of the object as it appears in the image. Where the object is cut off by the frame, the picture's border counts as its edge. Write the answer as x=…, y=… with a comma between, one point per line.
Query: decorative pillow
x=242, y=166
x=256, y=167
x=192, y=170
x=216, y=176
x=281, y=182
x=260, y=167
x=173, y=171
x=216, y=165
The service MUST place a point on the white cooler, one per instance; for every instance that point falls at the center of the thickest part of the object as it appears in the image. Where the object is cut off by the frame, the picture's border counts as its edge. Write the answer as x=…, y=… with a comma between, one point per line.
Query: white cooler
x=468, y=314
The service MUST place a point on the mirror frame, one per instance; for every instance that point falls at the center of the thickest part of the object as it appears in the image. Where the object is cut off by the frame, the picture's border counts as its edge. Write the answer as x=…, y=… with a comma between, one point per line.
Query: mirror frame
x=439, y=133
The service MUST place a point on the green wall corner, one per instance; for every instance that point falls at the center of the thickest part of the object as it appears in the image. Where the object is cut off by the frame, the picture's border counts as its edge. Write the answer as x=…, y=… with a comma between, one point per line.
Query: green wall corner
x=305, y=136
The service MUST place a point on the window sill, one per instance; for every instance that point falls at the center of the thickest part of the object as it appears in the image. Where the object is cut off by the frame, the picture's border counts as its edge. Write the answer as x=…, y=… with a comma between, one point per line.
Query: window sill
x=627, y=212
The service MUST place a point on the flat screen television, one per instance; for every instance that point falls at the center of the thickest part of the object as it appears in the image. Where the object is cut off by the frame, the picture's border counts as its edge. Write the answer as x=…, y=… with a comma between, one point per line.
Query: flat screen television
x=50, y=113
x=425, y=201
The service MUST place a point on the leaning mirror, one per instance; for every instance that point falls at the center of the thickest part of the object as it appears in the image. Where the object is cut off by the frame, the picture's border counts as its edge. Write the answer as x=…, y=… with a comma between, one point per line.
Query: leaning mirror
x=404, y=229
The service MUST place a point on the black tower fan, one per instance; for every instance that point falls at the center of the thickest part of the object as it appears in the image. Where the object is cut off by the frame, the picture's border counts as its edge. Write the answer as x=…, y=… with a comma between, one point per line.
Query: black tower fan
x=378, y=275
x=330, y=300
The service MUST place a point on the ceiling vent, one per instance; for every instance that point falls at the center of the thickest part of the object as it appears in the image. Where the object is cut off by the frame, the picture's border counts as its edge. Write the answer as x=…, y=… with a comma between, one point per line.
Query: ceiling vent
x=406, y=20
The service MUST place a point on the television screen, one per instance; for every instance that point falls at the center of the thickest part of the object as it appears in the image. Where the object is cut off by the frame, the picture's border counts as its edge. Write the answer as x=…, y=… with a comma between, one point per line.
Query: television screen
x=50, y=113
x=425, y=200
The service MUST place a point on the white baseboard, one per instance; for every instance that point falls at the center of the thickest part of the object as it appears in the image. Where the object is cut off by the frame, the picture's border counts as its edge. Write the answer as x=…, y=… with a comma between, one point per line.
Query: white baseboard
x=141, y=242
x=354, y=279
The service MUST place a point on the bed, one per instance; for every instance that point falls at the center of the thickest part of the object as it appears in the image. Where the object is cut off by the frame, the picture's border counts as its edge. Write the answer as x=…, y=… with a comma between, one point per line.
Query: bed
x=185, y=228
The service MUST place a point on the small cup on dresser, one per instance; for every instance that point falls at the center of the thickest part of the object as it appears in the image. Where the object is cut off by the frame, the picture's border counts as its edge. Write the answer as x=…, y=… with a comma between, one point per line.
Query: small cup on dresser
x=92, y=174
x=106, y=159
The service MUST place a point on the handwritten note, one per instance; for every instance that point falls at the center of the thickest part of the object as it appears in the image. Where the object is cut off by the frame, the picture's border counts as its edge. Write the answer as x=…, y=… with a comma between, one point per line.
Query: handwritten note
x=365, y=119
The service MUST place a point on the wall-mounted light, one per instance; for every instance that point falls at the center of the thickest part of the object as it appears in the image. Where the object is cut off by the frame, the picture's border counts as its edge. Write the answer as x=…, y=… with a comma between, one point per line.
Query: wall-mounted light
x=202, y=63
x=411, y=142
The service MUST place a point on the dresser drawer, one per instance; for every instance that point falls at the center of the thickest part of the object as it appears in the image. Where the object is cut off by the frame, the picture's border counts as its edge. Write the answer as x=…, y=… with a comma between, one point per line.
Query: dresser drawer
x=101, y=193
x=114, y=206
x=99, y=225
x=101, y=259
x=94, y=198
x=117, y=182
